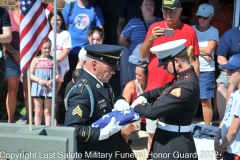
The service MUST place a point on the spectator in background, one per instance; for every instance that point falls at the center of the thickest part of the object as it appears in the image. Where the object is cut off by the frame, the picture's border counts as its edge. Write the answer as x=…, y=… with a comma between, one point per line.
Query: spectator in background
x=228, y=137
x=128, y=10
x=62, y=49
x=135, y=31
x=41, y=74
x=12, y=60
x=158, y=77
x=228, y=46
x=132, y=90
x=95, y=36
x=222, y=19
x=207, y=40
x=79, y=17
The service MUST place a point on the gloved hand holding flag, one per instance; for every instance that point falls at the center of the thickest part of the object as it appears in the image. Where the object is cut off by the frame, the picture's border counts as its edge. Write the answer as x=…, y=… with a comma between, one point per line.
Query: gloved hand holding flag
x=122, y=118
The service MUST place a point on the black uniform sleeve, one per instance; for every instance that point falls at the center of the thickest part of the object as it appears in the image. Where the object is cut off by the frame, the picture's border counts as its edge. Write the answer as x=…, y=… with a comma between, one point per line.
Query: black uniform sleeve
x=166, y=105
x=152, y=95
x=78, y=114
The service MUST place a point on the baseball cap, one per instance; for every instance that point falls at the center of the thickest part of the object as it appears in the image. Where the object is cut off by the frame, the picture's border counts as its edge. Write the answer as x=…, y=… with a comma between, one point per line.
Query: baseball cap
x=171, y=4
x=109, y=54
x=205, y=10
x=233, y=63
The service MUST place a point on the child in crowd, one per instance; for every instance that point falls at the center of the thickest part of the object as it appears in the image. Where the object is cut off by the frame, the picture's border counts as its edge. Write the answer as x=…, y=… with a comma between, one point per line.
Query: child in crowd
x=95, y=36
x=227, y=141
x=41, y=74
x=63, y=45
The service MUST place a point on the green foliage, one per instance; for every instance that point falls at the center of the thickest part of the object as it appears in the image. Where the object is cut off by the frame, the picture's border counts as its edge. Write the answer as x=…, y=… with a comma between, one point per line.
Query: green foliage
x=20, y=111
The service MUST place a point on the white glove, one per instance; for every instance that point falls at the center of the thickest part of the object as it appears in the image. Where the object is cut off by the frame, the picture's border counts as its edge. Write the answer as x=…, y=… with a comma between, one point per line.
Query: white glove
x=139, y=101
x=121, y=105
x=110, y=129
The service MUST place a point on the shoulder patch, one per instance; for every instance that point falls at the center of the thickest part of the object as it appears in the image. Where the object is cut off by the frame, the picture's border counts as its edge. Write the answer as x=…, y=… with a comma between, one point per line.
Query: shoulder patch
x=176, y=92
x=77, y=111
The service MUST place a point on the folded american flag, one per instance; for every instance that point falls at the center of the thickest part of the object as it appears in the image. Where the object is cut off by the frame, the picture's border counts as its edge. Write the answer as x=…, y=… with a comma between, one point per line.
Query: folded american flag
x=122, y=118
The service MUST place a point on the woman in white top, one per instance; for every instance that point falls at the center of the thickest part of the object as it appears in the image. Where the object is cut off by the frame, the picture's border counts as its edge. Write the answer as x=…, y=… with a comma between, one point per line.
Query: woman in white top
x=207, y=40
x=63, y=45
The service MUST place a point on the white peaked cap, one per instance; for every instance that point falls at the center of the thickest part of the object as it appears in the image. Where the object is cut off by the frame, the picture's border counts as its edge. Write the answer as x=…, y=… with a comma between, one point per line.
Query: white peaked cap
x=170, y=48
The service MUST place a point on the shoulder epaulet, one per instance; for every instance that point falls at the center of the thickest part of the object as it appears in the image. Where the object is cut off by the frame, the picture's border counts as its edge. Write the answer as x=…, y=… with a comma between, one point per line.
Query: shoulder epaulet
x=81, y=83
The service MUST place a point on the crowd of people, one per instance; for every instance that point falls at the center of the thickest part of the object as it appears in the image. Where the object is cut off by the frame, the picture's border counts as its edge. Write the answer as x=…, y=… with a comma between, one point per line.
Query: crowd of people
x=171, y=67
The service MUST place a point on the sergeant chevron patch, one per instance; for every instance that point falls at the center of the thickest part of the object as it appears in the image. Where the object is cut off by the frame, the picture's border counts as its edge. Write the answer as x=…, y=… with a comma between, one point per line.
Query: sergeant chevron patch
x=77, y=111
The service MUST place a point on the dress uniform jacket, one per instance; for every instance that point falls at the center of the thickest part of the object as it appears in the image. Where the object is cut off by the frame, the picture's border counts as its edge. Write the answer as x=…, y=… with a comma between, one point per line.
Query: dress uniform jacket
x=174, y=104
x=80, y=115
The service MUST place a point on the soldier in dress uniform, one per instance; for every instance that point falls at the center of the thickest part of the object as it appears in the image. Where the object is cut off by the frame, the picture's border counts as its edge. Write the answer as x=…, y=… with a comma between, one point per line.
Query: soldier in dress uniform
x=174, y=104
x=90, y=99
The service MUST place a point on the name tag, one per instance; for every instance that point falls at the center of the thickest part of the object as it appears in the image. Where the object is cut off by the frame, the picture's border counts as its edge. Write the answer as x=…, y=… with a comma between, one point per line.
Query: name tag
x=103, y=105
x=0, y=54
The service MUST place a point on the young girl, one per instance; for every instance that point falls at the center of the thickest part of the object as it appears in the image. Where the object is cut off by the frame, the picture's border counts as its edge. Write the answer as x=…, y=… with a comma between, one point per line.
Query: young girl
x=95, y=36
x=41, y=74
x=63, y=45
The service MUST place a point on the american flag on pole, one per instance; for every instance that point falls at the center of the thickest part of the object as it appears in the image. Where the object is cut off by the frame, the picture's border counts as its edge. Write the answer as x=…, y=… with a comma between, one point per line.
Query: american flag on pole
x=34, y=29
x=122, y=118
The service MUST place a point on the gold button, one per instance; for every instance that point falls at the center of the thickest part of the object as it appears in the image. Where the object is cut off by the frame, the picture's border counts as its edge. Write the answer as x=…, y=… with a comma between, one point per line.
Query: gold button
x=186, y=76
x=98, y=85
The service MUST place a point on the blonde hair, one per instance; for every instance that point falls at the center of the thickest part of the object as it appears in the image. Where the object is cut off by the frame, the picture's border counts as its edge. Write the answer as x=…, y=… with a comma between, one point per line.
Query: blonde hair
x=186, y=53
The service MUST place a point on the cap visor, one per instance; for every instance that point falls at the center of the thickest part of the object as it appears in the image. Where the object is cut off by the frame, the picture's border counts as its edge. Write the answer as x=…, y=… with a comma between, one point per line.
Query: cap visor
x=169, y=7
x=200, y=13
x=227, y=66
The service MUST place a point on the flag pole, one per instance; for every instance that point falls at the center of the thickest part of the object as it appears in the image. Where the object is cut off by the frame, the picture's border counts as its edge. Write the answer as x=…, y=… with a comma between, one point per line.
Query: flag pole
x=29, y=99
x=54, y=63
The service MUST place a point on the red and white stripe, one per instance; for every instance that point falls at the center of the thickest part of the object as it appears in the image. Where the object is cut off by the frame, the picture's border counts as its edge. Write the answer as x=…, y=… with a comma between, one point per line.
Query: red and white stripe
x=34, y=29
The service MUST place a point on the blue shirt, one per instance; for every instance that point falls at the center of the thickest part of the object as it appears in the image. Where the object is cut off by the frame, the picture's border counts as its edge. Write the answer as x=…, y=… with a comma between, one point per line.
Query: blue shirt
x=136, y=31
x=79, y=23
x=229, y=43
x=4, y=21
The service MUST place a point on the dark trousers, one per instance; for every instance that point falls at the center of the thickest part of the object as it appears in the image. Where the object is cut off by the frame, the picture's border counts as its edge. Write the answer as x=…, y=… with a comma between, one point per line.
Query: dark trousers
x=2, y=71
x=228, y=156
x=73, y=60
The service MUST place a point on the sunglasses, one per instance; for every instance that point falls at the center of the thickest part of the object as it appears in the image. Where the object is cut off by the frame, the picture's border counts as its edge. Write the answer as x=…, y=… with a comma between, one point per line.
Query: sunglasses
x=142, y=64
x=200, y=17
